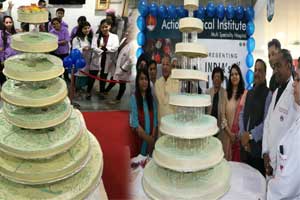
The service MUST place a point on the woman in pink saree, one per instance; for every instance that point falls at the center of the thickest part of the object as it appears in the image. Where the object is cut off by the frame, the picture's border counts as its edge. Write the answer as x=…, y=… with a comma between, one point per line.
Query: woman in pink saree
x=236, y=94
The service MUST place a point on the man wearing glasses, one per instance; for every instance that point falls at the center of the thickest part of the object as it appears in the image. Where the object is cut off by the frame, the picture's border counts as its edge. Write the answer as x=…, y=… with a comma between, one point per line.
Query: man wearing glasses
x=283, y=110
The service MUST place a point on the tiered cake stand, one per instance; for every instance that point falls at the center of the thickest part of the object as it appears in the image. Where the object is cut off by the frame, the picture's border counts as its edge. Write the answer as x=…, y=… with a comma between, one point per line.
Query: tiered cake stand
x=187, y=161
x=46, y=152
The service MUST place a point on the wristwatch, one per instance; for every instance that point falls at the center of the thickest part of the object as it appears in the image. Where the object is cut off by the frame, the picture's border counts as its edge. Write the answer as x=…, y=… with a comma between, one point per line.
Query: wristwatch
x=250, y=136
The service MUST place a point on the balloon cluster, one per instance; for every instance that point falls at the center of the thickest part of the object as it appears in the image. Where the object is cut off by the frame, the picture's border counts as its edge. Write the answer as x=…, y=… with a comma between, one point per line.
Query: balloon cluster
x=74, y=60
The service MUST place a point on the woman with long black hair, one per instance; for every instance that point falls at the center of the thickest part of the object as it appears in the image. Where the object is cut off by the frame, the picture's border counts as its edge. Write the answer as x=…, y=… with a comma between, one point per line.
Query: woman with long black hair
x=143, y=115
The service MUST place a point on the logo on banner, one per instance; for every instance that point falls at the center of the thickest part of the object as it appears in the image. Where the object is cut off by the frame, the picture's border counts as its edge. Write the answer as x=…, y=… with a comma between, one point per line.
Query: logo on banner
x=151, y=22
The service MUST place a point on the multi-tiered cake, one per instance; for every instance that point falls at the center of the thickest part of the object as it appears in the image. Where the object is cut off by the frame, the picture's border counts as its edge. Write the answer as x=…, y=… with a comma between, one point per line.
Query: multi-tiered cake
x=187, y=161
x=46, y=151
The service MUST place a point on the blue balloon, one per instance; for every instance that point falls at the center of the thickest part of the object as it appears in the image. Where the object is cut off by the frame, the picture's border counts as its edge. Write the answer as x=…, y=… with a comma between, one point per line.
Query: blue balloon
x=143, y=8
x=171, y=11
x=239, y=12
x=80, y=63
x=75, y=55
x=220, y=12
x=162, y=11
x=141, y=39
x=249, y=14
x=249, y=76
x=186, y=13
x=141, y=23
x=153, y=9
x=250, y=44
x=67, y=62
x=180, y=11
x=229, y=11
x=250, y=28
x=210, y=10
x=249, y=60
x=139, y=51
x=200, y=13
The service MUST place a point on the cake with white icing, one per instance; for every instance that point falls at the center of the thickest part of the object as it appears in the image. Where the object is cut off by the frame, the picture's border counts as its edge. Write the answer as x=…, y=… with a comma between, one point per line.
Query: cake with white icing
x=33, y=67
x=187, y=160
x=32, y=14
x=46, y=151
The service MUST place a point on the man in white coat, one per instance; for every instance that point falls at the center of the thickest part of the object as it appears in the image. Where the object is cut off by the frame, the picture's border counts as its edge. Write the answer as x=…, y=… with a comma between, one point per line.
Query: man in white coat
x=286, y=182
x=282, y=111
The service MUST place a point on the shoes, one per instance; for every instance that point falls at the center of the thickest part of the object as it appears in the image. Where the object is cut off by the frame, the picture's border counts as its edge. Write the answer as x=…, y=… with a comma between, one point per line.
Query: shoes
x=114, y=102
x=88, y=97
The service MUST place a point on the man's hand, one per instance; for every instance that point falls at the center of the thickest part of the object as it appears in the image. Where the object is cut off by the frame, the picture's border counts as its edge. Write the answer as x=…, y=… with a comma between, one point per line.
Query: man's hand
x=245, y=138
x=268, y=168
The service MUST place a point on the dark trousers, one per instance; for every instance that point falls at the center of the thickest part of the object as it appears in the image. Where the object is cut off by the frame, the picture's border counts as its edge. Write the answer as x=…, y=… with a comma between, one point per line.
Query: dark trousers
x=122, y=89
x=102, y=83
x=255, y=162
x=91, y=81
x=2, y=77
x=66, y=74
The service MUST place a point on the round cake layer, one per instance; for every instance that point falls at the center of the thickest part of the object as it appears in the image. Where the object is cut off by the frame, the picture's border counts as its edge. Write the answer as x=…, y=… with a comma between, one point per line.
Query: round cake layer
x=190, y=24
x=33, y=67
x=40, y=143
x=187, y=155
x=32, y=14
x=37, y=118
x=161, y=183
x=191, y=4
x=34, y=172
x=190, y=100
x=198, y=128
x=191, y=50
x=35, y=42
x=78, y=186
x=189, y=74
x=34, y=94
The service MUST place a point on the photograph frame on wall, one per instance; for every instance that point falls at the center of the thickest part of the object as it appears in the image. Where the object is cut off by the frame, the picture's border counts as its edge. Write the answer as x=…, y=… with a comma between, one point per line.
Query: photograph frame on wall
x=102, y=4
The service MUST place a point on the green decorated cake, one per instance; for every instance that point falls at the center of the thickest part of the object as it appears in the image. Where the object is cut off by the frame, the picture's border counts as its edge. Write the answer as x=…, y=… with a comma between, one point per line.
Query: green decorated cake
x=46, y=151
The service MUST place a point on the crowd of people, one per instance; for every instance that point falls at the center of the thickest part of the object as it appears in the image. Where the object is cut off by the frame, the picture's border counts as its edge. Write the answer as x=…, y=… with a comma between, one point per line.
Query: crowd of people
x=106, y=51
x=258, y=127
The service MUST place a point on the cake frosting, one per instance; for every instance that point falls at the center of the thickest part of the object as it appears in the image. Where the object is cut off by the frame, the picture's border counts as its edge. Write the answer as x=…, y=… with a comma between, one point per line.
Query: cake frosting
x=34, y=94
x=187, y=74
x=191, y=4
x=189, y=100
x=37, y=118
x=40, y=143
x=32, y=14
x=188, y=155
x=46, y=170
x=77, y=186
x=198, y=128
x=162, y=183
x=189, y=24
x=34, y=42
x=33, y=67
x=191, y=50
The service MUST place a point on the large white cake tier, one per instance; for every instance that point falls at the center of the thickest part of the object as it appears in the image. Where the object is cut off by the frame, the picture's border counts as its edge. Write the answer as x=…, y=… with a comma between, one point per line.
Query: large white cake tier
x=34, y=42
x=190, y=24
x=187, y=155
x=189, y=74
x=33, y=67
x=40, y=143
x=76, y=187
x=37, y=118
x=36, y=172
x=198, y=128
x=191, y=50
x=34, y=94
x=191, y=4
x=160, y=183
x=190, y=100
x=32, y=14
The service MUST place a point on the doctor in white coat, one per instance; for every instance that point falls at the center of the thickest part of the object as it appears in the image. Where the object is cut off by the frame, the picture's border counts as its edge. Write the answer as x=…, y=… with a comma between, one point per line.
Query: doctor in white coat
x=105, y=46
x=286, y=181
x=283, y=111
